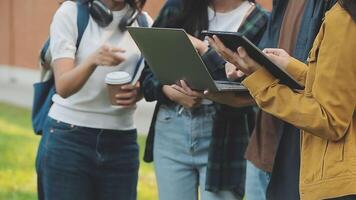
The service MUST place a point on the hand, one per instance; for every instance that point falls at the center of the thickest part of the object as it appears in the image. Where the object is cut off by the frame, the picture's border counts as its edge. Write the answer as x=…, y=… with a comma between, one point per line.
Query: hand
x=107, y=56
x=180, y=98
x=201, y=46
x=185, y=89
x=230, y=98
x=232, y=73
x=240, y=58
x=278, y=56
x=129, y=95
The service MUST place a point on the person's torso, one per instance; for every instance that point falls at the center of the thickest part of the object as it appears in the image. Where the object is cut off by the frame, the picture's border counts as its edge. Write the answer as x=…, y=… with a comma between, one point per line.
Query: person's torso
x=90, y=106
x=229, y=21
x=325, y=162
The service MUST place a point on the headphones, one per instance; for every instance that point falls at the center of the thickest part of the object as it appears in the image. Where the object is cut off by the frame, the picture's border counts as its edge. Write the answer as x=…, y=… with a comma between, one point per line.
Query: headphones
x=103, y=16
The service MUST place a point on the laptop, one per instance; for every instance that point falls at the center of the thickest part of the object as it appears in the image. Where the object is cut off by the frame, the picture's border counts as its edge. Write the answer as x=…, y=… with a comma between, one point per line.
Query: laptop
x=172, y=57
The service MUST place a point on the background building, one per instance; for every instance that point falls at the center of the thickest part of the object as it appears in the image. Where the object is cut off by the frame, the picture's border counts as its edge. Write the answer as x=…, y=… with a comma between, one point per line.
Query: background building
x=24, y=27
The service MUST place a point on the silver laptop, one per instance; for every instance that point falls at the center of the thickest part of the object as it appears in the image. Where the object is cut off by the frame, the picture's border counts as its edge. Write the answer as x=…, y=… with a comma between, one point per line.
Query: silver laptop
x=172, y=57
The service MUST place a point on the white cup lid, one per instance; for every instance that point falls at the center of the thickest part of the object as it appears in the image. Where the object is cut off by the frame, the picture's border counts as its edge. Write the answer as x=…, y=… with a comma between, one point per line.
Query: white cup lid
x=116, y=78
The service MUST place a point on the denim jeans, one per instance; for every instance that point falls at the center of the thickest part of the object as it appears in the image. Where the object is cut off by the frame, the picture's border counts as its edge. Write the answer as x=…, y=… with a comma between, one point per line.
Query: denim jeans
x=181, y=149
x=78, y=163
x=256, y=182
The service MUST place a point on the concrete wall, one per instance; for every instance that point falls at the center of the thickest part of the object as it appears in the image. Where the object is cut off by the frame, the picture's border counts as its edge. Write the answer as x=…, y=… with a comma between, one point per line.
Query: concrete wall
x=24, y=26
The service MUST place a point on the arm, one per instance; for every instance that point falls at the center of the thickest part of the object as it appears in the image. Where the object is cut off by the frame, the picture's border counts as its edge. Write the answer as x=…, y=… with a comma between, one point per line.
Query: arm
x=70, y=77
x=215, y=64
x=327, y=110
x=298, y=70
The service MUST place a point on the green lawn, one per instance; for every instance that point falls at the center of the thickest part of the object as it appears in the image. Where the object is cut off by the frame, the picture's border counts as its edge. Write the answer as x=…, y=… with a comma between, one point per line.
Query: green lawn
x=18, y=146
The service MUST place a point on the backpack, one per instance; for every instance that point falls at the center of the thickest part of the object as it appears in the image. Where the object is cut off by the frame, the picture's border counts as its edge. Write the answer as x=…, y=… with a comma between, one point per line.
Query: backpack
x=45, y=89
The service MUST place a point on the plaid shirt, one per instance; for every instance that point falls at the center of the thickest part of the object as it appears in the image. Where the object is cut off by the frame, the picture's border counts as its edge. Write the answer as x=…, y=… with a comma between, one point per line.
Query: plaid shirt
x=226, y=165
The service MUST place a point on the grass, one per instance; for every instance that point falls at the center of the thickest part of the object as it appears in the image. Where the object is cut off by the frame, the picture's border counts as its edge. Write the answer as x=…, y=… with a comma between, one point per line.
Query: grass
x=18, y=146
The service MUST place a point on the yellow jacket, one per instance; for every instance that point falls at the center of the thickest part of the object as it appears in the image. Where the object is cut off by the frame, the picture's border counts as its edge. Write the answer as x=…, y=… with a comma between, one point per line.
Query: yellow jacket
x=324, y=111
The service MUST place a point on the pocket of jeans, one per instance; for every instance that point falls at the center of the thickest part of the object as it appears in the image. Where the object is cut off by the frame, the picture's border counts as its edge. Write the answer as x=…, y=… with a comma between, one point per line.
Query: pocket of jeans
x=165, y=114
x=61, y=127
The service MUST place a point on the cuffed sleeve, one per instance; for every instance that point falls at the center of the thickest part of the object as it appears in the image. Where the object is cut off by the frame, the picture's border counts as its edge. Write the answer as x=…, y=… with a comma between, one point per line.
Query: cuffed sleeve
x=259, y=81
x=297, y=70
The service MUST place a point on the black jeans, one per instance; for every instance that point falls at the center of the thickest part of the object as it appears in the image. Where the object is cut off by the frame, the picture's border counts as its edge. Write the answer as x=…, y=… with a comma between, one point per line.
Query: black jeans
x=284, y=183
x=78, y=163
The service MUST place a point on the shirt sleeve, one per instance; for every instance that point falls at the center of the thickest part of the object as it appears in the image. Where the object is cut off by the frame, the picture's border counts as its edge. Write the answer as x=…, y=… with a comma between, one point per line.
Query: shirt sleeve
x=297, y=70
x=215, y=64
x=327, y=110
x=63, y=32
x=150, y=85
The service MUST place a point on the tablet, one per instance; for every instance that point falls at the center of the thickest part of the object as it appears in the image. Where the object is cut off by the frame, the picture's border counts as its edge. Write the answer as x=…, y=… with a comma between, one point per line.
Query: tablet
x=233, y=40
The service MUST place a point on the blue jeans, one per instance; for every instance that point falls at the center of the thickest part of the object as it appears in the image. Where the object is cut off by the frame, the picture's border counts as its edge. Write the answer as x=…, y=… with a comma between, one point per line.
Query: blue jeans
x=257, y=182
x=78, y=163
x=182, y=141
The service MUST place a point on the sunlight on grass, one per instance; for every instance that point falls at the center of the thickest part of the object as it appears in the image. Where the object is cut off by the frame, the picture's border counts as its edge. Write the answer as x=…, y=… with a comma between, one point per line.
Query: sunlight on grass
x=18, y=146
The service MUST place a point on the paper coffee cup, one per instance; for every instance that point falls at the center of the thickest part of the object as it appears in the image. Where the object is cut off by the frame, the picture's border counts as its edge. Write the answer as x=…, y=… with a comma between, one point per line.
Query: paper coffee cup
x=114, y=81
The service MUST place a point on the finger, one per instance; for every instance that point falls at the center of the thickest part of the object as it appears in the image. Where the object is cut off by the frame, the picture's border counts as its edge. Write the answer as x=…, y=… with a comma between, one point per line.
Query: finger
x=137, y=85
x=222, y=46
x=191, y=92
x=233, y=75
x=125, y=96
x=117, y=57
x=273, y=58
x=273, y=51
x=219, y=45
x=130, y=102
x=267, y=50
x=243, y=54
x=209, y=95
x=129, y=87
x=107, y=61
x=225, y=52
x=212, y=43
x=179, y=89
x=240, y=63
x=117, y=50
x=240, y=73
x=186, y=87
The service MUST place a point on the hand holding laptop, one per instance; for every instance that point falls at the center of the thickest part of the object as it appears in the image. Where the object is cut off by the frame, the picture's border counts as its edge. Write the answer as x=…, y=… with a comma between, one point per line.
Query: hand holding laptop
x=228, y=98
x=201, y=46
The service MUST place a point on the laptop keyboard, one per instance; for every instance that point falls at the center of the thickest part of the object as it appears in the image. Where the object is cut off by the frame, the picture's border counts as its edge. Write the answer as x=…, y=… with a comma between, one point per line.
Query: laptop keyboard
x=229, y=85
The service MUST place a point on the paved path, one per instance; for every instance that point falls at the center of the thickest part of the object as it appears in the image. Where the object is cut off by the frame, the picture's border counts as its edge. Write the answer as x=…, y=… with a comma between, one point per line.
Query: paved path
x=16, y=88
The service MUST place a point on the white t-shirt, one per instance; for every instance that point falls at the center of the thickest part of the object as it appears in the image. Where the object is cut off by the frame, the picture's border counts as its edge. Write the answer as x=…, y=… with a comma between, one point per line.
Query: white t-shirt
x=229, y=21
x=90, y=106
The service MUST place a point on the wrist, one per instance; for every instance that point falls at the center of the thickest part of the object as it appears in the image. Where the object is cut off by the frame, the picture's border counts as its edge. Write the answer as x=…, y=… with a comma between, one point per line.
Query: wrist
x=91, y=62
x=166, y=91
x=203, y=48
